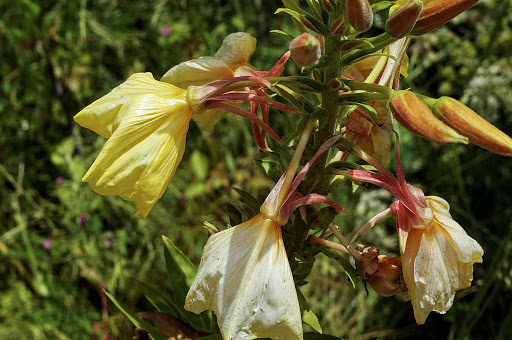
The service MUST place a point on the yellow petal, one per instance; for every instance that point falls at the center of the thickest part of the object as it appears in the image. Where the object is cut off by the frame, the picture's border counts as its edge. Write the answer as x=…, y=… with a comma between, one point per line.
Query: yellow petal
x=197, y=72
x=237, y=49
x=208, y=119
x=100, y=115
x=245, y=277
x=146, y=147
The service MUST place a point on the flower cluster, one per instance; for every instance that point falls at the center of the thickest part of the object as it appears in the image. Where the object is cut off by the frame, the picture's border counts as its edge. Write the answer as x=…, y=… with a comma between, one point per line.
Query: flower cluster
x=245, y=275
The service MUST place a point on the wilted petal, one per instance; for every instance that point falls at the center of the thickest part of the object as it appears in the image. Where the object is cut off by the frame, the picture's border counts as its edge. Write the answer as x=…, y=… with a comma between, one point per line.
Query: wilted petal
x=237, y=49
x=245, y=278
x=146, y=146
x=100, y=115
x=197, y=72
x=441, y=265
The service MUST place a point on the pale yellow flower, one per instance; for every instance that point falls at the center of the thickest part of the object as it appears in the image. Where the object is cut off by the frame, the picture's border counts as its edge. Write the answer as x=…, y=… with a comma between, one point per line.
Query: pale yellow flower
x=146, y=122
x=236, y=51
x=437, y=260
x=437, y=254
x=245, y=278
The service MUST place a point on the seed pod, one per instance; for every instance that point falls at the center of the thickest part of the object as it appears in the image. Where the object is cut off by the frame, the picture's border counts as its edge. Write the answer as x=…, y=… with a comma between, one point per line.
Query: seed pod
x=359, y=14
x=416, y=117
x=305, y=49
x=439, y=12
x=468, y=123
x=402, y=21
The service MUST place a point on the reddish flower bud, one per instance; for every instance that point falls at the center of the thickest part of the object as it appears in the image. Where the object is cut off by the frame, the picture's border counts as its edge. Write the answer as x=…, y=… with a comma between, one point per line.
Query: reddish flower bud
x=416, y=117
x=383, y=273
x=402, y=21
x=439, y=12
x=468, y=123
x=305, y=49
x=359, y=14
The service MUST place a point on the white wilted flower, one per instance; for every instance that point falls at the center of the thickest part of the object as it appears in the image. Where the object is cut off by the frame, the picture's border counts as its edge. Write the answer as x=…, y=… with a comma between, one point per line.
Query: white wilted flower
x=245, y=278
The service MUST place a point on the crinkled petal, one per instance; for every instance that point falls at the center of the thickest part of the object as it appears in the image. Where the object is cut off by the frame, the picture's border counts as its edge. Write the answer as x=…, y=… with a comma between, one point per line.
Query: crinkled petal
x=245, y=278
x=141, y=156
x=237, y=49
x=198, y=72
x=441, y=264
x=100, y=115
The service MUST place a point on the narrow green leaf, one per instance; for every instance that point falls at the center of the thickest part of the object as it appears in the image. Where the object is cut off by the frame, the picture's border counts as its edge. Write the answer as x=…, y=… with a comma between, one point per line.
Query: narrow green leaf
x=308, y=316
x=157, y=299
x=179, y=262
x=368, y=108
x=347, y=267
x=292, y=5
x=283, y=34
x=136, y=320
x=248, y=199
x=181, y=275
x=379, y=6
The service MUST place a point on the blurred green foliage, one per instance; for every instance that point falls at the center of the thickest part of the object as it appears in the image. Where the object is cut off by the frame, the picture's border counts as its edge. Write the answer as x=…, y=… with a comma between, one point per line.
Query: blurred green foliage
x=61, y=244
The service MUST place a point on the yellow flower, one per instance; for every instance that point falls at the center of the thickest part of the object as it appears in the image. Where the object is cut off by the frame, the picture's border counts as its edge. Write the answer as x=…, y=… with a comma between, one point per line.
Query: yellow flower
x=437, y=260
x=236, y=51
x=245, y=277
x=146, y=122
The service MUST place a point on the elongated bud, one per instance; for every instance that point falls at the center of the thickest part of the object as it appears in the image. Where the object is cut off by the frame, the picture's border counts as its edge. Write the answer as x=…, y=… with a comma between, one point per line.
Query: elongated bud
x=416, y=117
x=359, y=14
x=402, y=21
x=305, y=49
x=468, y=123
x=439, y=12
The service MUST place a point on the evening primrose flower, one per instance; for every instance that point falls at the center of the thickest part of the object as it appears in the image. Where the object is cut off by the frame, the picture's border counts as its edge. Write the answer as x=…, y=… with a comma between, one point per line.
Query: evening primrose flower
x=437, y=254
x=437, y=260
x=146, y=123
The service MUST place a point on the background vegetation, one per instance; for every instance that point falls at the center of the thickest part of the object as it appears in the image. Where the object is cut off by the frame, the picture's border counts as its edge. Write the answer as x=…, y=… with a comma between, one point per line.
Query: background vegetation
x=61, y=243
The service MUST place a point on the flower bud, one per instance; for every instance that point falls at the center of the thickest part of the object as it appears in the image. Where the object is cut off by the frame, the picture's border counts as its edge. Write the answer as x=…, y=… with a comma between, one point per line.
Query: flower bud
x=359, y=14
x=468, y=123
x=305, y=49
x=383, y=273
x=401, y=22
x=416, y=117
x=439, y=12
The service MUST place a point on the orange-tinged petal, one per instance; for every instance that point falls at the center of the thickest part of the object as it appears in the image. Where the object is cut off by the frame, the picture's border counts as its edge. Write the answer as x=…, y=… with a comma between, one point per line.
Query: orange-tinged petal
x=140, y=158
